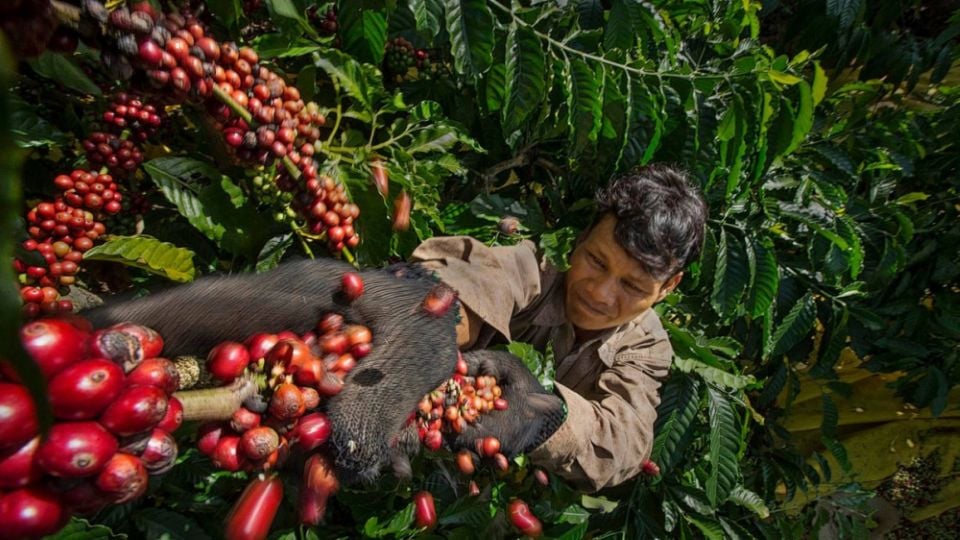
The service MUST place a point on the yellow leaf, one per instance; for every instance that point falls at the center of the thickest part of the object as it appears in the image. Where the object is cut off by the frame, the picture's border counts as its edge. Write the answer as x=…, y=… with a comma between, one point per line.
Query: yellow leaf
x=783, y=78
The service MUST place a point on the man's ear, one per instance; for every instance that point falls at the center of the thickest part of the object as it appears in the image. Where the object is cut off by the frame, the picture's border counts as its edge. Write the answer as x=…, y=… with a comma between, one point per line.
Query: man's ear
x=669, y=285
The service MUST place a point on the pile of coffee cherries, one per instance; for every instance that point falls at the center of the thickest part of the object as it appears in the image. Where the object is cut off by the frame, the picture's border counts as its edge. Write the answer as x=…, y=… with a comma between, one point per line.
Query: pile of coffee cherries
x=111, y=395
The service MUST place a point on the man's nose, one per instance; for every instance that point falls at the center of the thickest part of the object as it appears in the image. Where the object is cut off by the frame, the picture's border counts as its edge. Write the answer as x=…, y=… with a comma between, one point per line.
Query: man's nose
x=604, y=291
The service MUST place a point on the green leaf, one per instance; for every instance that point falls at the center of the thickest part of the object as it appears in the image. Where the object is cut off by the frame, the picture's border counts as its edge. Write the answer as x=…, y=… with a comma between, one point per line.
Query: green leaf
x=714, y=375
x=750, y=500
x=731, y=276
x=146, y=253
x=724, y=446
x=347, y=75
x=470, y=25
x=212, y=203
x=839, y=452
x=619, y=32
x=59, y=68
x=845, y=11
x=557, y=246
x=30, y=130
x=585, y=103
x=526, y=77
x=819, y=89
x=680, y=400
x=81, y=529
x=495, y=87
x=804, y=118
x=832, y=344
x=784, y=78
x=710, y=527
x=766, y=280
x=273, y=251
x=795, y=326
x=911, y=198
x=277, y=45
x=831, y=417
x=286, y=9
x=425, y=12
x=363, y=29
x=157, y=523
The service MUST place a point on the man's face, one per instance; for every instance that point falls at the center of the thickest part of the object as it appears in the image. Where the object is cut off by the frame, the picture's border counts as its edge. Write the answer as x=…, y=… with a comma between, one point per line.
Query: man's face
x=605, y=287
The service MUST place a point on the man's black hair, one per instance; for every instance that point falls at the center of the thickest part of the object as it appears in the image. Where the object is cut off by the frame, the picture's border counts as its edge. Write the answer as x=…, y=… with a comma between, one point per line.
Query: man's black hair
x=660, y=217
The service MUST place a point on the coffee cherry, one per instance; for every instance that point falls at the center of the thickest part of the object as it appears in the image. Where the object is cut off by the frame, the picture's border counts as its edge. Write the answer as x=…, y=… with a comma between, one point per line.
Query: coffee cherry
x=123, y=479
x=352, y=286
x=31, y=512
x=208, y=436
x=523, y=519
x=650, y=468
x=488, y=446
x=151, y=342
x=287, y=402
x=244, y=419
x=18, y=467
x=174, y=417
x=424, y=510
x=258, y=443
x=227, y=454
x=258, y=345
x=465, y=462
x=438, y=300
x=227, y=361
x=161, y=452
x=83, y=390
x=136, y=409
x=158, y=372
x=52, y=343
x=76, y=449
x=18, y=416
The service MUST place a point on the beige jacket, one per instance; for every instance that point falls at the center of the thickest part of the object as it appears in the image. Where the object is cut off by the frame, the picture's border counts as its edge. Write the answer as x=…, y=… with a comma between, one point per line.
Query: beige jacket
x=610, y=383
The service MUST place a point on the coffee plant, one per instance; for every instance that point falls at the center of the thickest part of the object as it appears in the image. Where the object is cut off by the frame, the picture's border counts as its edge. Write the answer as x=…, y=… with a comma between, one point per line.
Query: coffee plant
x=148, y=142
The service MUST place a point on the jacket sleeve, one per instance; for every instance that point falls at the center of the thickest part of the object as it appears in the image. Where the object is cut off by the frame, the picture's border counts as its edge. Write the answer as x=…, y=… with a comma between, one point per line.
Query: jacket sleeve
x=494, y=282
x=605, y=440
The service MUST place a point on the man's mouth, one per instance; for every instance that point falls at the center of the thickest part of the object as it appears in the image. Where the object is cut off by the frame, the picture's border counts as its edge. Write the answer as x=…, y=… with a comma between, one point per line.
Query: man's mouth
x=590, y=307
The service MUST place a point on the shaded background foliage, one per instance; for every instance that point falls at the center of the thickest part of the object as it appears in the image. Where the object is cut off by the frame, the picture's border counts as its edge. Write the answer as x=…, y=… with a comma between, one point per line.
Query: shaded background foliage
x=823, y=135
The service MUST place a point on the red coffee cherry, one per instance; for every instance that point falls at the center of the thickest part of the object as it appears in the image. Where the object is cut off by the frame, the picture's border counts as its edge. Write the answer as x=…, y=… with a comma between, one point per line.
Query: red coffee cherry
x=54, y=344
x=158, y=372
x=253, y=513
x=208, y=435
x=123, y=479
x=287, y=402
x=425, y=513
x=174, y=417
x=312, y=431
x=151, y=342
x=352, y=286
x=136, y=409
x=438, y=300
x=83, y=390
x=18, y=467
x=227, y=455
x=227, y=361
x=76, y=449
x=258, y=443
x=160, y=454
x=18, y=416
x=523, y=519
x=31, y=512
x=465, y=462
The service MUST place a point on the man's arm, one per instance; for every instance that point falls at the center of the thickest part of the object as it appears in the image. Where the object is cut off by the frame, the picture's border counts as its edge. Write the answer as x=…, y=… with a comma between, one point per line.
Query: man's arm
x=604, y=441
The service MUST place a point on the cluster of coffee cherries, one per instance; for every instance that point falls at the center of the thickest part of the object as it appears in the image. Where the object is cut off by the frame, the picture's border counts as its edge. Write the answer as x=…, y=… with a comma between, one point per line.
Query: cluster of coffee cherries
x=263, y=119
x=402, y=62
x=29, y=25
x=130, y=113
x=60, y=231
x=111, y=396
x=121, y=156
x=326, y=22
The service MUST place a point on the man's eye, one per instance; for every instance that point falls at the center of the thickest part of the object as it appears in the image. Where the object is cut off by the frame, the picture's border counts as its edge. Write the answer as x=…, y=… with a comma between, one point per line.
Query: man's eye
x=595, y=260
x=633, y=289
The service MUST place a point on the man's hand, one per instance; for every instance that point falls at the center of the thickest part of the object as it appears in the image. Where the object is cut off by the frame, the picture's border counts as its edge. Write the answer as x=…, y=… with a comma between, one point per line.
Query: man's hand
x=413, y=351
x=533, y=414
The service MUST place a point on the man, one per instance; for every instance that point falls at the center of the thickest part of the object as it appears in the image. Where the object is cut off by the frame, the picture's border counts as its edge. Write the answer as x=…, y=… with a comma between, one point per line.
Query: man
x=596, y=430
x=610, y=347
